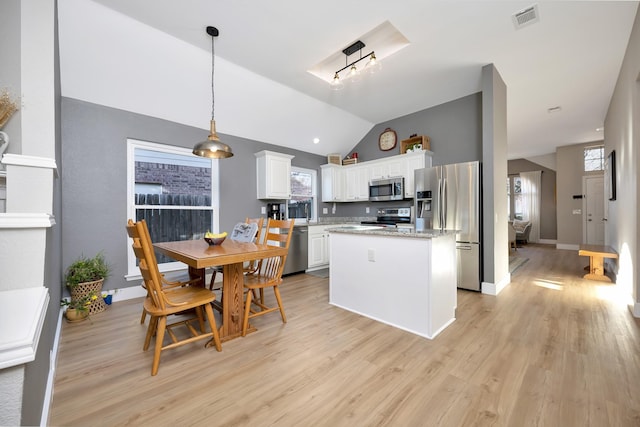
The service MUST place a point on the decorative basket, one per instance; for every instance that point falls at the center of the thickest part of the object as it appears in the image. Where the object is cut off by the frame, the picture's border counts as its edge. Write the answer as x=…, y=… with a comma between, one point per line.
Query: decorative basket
x=84, y=289
x=334, y=158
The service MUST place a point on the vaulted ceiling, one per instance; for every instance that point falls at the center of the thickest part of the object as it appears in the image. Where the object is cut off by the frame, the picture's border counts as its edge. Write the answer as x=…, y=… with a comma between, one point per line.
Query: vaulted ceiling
x=569, y=58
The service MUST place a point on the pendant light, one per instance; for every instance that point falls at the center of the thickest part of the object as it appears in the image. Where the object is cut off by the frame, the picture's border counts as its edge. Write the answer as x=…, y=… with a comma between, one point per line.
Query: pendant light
x=212, y=147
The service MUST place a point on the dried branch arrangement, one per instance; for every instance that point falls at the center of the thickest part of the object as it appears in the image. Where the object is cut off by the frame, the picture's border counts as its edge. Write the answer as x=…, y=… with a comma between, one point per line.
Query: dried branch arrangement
x=7, y=107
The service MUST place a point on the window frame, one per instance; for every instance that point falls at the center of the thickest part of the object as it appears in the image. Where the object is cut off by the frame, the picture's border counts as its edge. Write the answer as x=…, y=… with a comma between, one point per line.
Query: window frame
x=314, y=192
x=133, y=273
x=603, y=159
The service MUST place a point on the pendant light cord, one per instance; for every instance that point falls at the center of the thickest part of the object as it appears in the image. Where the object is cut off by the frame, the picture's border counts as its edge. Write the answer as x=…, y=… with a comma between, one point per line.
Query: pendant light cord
x=213, y=55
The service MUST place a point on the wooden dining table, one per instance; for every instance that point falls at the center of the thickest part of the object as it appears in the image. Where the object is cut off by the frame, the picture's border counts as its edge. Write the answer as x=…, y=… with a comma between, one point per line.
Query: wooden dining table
x=231, y=255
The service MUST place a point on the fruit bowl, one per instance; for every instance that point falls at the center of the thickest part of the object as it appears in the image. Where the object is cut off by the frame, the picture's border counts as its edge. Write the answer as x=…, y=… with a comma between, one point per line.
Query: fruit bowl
x=215, y=240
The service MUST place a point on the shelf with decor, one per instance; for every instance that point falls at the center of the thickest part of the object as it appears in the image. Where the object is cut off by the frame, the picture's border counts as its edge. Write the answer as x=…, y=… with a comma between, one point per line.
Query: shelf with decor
x=407, y=145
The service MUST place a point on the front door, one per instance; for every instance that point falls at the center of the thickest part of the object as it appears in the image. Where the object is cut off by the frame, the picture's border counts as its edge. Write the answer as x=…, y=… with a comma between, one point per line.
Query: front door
x=593, y=227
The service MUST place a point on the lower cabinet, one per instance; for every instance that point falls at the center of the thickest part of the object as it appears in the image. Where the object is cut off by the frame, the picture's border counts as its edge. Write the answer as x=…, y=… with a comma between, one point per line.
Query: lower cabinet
x=319, y=246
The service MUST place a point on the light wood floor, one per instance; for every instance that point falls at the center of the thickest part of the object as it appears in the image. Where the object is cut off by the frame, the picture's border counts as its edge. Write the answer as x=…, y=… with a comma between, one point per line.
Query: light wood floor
x=551, y=350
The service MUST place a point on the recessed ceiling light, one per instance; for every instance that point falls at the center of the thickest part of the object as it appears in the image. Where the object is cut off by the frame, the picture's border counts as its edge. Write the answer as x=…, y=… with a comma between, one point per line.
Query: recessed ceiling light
x=554, y=109
x=316, y=140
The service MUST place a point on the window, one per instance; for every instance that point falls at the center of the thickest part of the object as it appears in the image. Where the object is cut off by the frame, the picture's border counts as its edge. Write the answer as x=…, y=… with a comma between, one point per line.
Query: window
x=303, y=202
x=594, y=158
x=174, y=191
x=514, y=197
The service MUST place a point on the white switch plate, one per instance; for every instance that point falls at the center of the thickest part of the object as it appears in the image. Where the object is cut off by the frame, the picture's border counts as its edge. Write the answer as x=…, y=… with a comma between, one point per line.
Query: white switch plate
x=372, y=255
x=325, y=211
x=367, y=210
x=263, y=210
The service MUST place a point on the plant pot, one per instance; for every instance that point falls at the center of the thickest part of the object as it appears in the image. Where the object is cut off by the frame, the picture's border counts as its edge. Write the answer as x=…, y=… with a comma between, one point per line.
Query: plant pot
x=73, y=315
x=84, y=289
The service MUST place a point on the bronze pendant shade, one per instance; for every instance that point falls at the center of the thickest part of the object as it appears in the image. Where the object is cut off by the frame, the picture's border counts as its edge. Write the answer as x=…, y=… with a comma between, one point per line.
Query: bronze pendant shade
x=212, y=147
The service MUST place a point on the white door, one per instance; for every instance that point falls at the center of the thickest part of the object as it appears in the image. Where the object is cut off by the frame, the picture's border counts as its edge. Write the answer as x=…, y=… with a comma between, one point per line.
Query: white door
x=593, y=227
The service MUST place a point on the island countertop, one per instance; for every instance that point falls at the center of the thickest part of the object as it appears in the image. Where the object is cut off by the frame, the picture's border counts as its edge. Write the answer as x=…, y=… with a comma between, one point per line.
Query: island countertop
x=375, y=230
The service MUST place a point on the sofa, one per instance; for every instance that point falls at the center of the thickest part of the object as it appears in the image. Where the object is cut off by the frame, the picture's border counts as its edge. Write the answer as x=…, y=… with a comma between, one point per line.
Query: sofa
x=523, y=228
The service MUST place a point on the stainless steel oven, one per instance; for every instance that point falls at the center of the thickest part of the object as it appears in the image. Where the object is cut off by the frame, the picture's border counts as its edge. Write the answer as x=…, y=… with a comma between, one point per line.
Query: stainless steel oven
x=386, y=189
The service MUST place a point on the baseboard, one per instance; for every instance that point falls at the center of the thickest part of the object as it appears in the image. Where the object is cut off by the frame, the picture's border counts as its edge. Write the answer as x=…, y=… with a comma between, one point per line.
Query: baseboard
x=53, y=361
x=567, y=246
x=495, y=288
x=548, y=241
x=131, y=292
x=634, y=308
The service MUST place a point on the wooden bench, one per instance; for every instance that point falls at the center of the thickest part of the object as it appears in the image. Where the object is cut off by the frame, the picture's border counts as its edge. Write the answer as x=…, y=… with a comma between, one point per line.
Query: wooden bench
x=596, y=254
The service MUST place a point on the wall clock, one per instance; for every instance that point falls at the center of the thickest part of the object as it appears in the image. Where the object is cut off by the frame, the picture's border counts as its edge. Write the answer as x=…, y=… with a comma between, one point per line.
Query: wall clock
x=388, y=139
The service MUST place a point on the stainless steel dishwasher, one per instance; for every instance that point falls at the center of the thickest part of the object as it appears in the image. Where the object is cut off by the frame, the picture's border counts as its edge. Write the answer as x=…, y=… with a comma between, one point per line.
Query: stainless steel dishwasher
x=298, y=256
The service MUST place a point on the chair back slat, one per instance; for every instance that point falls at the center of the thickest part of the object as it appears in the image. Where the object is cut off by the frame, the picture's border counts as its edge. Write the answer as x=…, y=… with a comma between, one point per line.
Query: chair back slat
x=143, y=249
x=273, y=267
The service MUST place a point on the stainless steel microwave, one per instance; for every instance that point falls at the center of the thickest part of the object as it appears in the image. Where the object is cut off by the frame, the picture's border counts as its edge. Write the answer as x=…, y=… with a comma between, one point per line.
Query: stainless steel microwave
x=386, y=189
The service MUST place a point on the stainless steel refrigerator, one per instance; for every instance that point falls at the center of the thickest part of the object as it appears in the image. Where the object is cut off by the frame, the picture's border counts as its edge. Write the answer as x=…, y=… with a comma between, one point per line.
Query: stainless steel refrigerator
x=448, y=198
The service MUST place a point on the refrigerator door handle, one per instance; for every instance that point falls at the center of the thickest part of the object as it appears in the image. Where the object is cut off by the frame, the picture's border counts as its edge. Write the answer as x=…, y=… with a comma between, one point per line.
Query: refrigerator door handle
x=440, y=203
x=444, y=203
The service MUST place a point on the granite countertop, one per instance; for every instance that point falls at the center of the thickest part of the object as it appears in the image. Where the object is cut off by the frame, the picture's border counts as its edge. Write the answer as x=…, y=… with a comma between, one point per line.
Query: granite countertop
x=392, y=232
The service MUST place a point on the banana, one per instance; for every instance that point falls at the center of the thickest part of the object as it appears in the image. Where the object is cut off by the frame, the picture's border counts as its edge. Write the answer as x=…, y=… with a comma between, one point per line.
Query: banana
x=210, y=235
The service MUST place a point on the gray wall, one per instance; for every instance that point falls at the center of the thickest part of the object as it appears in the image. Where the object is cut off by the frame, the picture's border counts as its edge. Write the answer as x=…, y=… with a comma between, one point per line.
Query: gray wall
x=36, y=373
x=94, y=178
x=455, y=132
x=622, y=134
x=494, y=176
x=548, y=220
x=570, y=160
x=93, y=168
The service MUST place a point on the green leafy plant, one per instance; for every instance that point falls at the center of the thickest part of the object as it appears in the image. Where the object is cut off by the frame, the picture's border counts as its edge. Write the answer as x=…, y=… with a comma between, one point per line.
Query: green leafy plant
x=87, y=270
x=81, y=304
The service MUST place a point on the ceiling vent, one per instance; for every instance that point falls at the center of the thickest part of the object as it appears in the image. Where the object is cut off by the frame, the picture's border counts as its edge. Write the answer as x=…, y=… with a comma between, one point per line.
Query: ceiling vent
x=526, y=17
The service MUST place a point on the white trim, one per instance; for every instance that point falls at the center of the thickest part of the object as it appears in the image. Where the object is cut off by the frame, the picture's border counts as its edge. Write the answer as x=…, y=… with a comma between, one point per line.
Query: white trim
x=32, y=161
x=26, y=220
x=53, y=363
x=548, y=241
x=132, y=144
x=495, y=288
x=567, y=246
x=314, y=194
x=22, y=313
x=634, y=308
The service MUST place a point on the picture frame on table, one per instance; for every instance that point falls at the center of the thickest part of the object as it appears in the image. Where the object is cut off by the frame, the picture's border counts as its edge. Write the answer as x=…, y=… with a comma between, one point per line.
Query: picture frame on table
x=610, y=174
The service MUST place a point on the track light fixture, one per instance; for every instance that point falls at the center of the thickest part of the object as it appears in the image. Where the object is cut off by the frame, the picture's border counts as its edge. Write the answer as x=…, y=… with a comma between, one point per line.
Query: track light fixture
x=372, y=66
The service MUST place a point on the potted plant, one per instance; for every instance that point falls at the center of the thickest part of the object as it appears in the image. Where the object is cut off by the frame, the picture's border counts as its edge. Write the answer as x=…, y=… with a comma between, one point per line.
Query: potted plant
x=84, y=278
x=78, y=309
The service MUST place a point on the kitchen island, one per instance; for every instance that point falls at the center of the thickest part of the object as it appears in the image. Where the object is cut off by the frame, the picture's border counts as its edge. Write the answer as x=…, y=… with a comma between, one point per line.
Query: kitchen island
x=400, y=277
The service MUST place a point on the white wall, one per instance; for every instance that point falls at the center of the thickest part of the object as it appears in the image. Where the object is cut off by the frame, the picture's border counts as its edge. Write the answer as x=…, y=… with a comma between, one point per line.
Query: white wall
x=622, y=133
x=569, y=181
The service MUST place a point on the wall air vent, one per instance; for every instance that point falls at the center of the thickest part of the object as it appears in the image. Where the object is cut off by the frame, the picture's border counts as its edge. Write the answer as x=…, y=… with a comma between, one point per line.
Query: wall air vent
x=526, y=17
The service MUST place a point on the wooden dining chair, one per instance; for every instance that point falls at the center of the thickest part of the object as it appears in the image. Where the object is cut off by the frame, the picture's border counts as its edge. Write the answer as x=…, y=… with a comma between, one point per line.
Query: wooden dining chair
x=167, y=284
x=269, y=275
x=162, y=302
x=250, y=267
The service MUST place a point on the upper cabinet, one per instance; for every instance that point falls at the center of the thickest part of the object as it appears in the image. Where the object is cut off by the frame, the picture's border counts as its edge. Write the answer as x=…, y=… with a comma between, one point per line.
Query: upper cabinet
x=333, y=183
x=351, y=183
x=273, y=173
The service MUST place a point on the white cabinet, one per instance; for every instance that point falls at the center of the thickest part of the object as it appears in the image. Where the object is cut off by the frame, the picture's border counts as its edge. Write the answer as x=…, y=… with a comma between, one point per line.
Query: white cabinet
x=319, y=246
x=357, y=182
x=412, y=162
x=387, y=168
x=333, y=188
x=273, y=173
x=351, y=183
